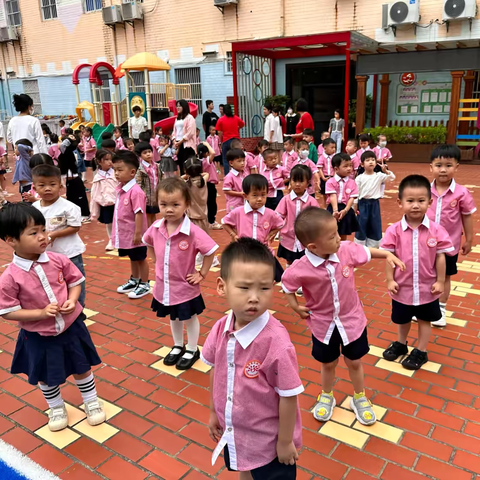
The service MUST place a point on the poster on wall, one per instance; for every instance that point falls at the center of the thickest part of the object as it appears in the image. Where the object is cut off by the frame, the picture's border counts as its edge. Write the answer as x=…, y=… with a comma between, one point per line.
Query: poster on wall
x=421, y=97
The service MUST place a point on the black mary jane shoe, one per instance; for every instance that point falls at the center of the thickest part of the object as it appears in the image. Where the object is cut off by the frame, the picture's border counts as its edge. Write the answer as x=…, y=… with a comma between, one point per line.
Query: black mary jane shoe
x=186, y=363
x=172, y=358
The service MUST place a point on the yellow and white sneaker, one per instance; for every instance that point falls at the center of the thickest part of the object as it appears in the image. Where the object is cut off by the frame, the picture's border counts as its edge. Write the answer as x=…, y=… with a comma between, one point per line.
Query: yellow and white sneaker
x=323, y=410
x=95, y=413
x=363, y=409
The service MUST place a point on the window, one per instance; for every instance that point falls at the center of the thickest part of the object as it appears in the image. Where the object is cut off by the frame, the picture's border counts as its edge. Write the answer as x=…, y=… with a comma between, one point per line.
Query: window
x=30, y=87
x=13, y=13
x=229, y=63
x=92, y=5
x=49, y=9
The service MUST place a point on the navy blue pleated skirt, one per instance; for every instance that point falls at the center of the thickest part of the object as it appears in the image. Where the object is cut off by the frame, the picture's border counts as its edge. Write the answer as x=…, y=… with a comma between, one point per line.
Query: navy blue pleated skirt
x=52, y=360
x=349, y=223
x=182, y=311
x=288, y=255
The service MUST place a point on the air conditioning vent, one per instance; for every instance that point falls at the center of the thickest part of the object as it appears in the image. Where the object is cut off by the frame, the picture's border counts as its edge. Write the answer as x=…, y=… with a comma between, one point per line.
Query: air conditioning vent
x=224, y=3
x=112, y=15
x=132, y=11
x=459, y=9
x=8, y=34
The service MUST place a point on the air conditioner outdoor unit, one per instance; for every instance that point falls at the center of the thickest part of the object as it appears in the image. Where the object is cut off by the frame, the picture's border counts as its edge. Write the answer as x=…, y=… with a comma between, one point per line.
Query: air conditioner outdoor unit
x=112, y=15
x=401, y=13
x=459, y=9
x=224, y=3
x=8, y=34
x=132, y=11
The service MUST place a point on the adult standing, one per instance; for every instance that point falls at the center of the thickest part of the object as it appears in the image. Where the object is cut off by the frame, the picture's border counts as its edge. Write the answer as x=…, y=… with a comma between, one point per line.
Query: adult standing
x=209, y=118
x=336, y=129
x=305, y=121
x=292, y=119
x=273, y=129
x=228, y=128
x=185, y=132
x=24, y=125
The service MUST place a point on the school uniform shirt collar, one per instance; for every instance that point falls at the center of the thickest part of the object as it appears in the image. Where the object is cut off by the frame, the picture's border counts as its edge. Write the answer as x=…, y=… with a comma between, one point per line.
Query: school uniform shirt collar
x=339, y=179
x=303, y=198
x=107, y=173
x=405, y=225
x=250, y=332
x=247, y=209
x=316, y=261
x=451, y=187
x=235, y=172
x=129, y=185
x=184, y=227
x=26, y=265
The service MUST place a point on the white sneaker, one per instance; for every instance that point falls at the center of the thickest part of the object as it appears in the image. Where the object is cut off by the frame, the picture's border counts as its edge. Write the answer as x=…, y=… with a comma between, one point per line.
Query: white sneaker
x=216, y=261
x=215, y=226
x=140, y=291
x=57, y=418
x=198, y=259
x=95, y=413
x=300, y=291
x=442, y=322
x=109, y=247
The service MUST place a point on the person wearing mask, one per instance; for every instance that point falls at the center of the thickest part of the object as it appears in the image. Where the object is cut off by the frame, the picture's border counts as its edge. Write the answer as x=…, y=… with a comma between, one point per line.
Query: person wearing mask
x=292, y=119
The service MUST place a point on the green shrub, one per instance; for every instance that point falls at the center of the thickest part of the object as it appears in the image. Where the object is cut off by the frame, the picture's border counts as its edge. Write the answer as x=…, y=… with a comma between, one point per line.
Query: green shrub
x=423, y=135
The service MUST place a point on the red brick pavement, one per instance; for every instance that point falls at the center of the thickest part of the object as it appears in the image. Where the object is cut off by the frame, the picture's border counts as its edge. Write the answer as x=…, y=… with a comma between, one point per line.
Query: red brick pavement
x=431, y=427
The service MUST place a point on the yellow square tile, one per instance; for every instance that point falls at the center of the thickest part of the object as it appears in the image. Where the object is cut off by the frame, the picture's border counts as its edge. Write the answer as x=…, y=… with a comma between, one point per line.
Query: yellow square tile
x=455, y=321
x=74, y=414
x=432, y=367
x=458, y=294
x=393, y=367
x=99, y=433
x=214, y=269
x=343, y=416
x=89, y=313
x=279, y=284
x=201, y=367
x=112, y=252
x=171, y=370
x=162, y=352
x=473, y=291
x=58, y=439
x=376, y=351
x=152, y=283
x=380, y=430
x=460, y=284
x=448, y=313
x=379, y=411
x=463, y=268
x=88, y=322
x=110, y=409
x=344, y=434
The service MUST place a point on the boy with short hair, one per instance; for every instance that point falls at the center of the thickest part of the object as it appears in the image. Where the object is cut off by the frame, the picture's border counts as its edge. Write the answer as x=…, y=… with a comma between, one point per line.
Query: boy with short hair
x=250, y=345
x=308, y=136
x=351, y=148
x=422, y=245
x=452, y=208
x=364, y=143
x=290, y=156
x=130, y=223
x=276, y=176
x=148, y=137
x=320, y=147
x=63, y=218
x=109, y=144
x=232, y=183
x=325, y=168
x=137, y=124
x=333, y=309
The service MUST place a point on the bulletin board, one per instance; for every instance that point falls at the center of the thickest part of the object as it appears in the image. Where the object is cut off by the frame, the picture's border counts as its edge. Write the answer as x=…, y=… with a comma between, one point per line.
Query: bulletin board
x=423, y=98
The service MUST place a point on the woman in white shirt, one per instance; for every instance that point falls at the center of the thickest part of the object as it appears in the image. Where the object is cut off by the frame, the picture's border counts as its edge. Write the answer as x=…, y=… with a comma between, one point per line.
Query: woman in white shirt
x=184, y=134
x=26, y=126
x=273, y=129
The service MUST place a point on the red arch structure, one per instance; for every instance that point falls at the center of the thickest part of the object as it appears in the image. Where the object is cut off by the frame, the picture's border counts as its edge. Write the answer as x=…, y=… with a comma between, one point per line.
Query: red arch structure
x=95, y=76
x=78, y=69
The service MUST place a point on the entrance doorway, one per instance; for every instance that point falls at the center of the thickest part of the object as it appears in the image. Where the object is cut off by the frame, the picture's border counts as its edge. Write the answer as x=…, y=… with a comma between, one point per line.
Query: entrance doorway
x=322, y=85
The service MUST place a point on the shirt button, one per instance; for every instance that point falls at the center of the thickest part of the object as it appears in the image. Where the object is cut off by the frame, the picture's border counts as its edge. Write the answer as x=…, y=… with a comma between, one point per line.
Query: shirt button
x=229, y=399
x=231, y=364
x=230, y=429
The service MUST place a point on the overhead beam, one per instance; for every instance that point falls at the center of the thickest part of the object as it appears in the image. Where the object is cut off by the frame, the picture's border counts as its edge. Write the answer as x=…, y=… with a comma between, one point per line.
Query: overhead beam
x=383, y=50
x=398, y=48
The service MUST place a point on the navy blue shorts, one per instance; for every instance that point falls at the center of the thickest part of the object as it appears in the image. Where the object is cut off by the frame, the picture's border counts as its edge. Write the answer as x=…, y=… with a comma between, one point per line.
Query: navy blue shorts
x=402, y=314
x=106, y=214
x=329, y=353
x=451, y=263
x=272, y=471
x=136, y=254
x=369, y=220
x=272, y=202
x=323, y=183
x=288, y=255
x=348, y=224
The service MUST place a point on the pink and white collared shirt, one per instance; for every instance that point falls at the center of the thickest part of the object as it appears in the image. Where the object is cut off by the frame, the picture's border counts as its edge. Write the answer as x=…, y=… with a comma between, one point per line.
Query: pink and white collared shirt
x=152, y=172
x=447, y=210
x=417, y=249
x=175, y=256
x=30, y=285
x=275, y=177
x=254, y=366
x=214, y=142
x=252, y=223
x=382, y=153
x=313, y=168
x=320, y=150
x=233, y=182
x=250, y=163
x=119, y=144
x=154, y=145
x=289, y=160
x=325, y=163
x=289, y=208
x=211, y=169
x=131, y=199
x=345, y=188
x=329, y=290
x=89, y=143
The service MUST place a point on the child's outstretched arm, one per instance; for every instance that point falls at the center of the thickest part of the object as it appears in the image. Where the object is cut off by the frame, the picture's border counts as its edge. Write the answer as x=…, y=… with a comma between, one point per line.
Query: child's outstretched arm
x=391, y=259
x=301, y=310
x=440, y=266
x=211, y=152
x=287, y=413
x=467, y=222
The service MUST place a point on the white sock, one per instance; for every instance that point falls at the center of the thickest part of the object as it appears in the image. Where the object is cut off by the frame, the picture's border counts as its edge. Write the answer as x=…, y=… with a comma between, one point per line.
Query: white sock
x=109, y=230
x=193, y=332
x=87, y=388
x=52, y=395
x=177, y=334
x=443, y=308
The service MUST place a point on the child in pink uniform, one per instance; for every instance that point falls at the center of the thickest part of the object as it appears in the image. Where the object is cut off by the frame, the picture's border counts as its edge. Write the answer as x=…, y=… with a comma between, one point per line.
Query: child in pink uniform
x=276, y=176
x=332, y=310
x=323, y=137
x=61, y=124
x=341, y=192
x=130, y=223
x=304, y=160
x=254, y=414
x=89, y=147
x=364, y=142
x=255, y=165
x=173, y=243
x=40, y=291
x=422, y=245
x=452, y=208
x=232, y=183
x=289, y=208
x=290, y=156
x=324, y=165
x=381, y=151
x=54, y=150
x=117, y=136
x=104, y=193
x=148, y=137
x=214, y=141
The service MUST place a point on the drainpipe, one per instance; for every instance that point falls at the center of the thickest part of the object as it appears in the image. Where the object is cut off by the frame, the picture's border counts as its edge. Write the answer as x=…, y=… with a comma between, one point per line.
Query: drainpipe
x=282, y=18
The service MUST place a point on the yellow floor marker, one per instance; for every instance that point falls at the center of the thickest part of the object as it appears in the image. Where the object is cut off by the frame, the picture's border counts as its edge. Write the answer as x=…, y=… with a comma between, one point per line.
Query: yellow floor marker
x=89, y=322
x=455, y=321
x=89, y=313
x=393, y=367
x=171, y=370
x=381, y=430
x=58, y=439
x=460, y=284
x=344, y=434
x=379, y=411
x=112, y=252
x=99, y=433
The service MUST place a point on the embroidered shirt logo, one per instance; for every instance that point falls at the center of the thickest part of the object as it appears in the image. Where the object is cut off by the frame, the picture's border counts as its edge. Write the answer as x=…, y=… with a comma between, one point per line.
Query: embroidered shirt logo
x=346, y=271
x=60, y=277
x=125, y=202
x=453, y=203
x=252, y=368
x=266, y=225
x=183, y=245
x=348, y=190
x=432, y=242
